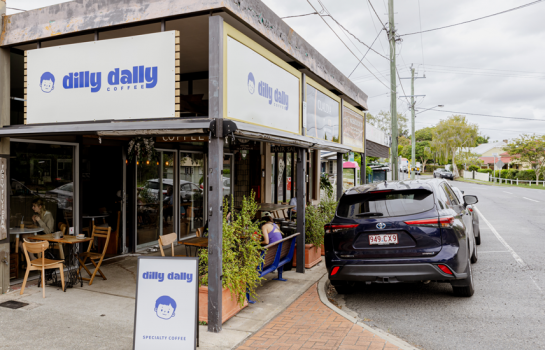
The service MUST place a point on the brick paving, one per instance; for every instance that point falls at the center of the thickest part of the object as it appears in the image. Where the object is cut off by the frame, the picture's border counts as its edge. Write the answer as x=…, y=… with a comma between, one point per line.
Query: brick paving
x=309, y=324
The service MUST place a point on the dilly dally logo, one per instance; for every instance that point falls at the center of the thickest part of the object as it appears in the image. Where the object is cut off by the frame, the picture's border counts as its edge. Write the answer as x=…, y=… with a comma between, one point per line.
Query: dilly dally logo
x=47, y=82
x=137, y=78
x=276, y=98
x=165, y=307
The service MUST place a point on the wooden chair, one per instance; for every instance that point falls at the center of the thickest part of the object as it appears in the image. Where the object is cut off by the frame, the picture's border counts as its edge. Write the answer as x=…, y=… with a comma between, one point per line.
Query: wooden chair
x=200, y=231
x=98, y=231
x=40, y=264
x=168, y=240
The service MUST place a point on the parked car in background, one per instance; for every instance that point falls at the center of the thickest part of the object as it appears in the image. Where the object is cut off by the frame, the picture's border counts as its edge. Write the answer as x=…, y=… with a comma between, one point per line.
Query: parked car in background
x=416, y=170
x=63, y=194
x=403, y=231
x=474, y=215
x=187, y=189
x=226, y=186
x=443, y=174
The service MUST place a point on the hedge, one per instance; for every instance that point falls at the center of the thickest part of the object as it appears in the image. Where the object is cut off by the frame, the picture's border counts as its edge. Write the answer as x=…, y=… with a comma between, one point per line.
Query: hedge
x=473, y=168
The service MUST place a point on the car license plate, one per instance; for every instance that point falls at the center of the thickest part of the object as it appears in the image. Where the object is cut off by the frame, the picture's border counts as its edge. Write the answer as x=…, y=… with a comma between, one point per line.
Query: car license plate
x=383, y=239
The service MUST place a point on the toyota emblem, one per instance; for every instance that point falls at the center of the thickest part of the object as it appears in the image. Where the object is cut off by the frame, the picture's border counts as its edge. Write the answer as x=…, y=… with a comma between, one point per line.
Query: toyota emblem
x=381, y=225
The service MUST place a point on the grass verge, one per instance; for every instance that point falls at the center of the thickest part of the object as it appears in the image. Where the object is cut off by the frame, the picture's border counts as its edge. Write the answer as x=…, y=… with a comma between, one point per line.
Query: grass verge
x=535, y=187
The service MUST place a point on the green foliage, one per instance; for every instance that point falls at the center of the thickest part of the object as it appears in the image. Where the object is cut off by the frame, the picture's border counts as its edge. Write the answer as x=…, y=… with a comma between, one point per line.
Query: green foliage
x=528, y=175
x=481, y=139
x=241, y=251
x=473, y=168
x=529, y=149
x=326, y=185
x=315, y=219
x=489, y=171
x=142, y=149
x=424, y=134
x=368, y=170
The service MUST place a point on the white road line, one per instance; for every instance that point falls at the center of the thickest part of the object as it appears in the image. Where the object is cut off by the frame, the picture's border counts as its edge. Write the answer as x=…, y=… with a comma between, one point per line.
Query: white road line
x=507, y=192
x=533, y=200
x=517, y=258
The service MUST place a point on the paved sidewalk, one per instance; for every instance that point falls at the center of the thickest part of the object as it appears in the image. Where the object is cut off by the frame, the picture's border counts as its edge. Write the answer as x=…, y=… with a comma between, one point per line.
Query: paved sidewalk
x=309, y=324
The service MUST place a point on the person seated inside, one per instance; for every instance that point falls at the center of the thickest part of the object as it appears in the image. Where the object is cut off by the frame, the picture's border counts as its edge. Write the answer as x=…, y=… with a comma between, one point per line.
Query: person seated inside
x=271, y=232
x=43, y=219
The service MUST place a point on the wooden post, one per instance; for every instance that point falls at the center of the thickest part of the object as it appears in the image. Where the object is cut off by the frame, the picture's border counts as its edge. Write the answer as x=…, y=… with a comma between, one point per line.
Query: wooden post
x=301, y=201
x=214, y=172
x=339, y=175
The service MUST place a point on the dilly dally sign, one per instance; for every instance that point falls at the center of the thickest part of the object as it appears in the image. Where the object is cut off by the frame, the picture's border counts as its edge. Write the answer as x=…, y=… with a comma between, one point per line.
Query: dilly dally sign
x=259, y=91
x=126, y=78
x=166, y=315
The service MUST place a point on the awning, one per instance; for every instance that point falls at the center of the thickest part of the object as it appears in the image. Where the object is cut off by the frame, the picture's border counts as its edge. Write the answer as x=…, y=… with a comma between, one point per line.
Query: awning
x=261, y=133
x=112, y=128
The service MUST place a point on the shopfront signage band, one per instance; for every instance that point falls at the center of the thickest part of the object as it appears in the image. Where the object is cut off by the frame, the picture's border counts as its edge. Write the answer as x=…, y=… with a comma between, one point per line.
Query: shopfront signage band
x=353, y=124
x=3, y=198
x=322, y=115
x=258, y=90
x=118, y=79
x=283, y=149
x=188, y=138
x=166, y=308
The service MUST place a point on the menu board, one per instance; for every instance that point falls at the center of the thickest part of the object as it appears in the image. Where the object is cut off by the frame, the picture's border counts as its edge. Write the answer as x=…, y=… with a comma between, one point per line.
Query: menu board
x=322, y=115
x=353, y=129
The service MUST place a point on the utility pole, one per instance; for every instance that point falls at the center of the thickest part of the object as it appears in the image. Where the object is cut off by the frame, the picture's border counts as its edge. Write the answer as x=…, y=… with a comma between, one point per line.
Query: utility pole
x=413, y=143
x=393, y=101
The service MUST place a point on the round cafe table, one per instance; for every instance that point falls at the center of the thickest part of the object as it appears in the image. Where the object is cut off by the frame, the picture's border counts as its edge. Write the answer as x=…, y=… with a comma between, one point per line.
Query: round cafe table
x=17, y=231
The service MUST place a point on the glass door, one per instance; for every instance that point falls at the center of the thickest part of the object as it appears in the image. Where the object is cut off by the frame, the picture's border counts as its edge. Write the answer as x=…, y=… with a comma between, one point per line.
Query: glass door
x=192, y=185
x=155, y=189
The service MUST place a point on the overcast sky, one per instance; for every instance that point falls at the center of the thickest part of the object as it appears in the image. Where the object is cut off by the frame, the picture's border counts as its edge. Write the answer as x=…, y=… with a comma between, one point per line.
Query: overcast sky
x=492, y=66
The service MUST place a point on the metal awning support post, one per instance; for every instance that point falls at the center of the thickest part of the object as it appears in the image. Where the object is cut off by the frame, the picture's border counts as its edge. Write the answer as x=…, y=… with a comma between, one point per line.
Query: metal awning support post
x=363, y=172
x=301, y=201
x=214, y=173
x=339, y=175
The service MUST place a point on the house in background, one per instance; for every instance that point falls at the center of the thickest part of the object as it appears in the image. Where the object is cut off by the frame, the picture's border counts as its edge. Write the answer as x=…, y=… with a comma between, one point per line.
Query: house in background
x=486, y=152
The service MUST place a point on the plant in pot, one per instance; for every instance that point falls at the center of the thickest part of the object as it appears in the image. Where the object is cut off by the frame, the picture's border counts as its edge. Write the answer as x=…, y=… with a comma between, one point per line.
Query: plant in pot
x=314, y=234
x=328, y=206
x=241, y=257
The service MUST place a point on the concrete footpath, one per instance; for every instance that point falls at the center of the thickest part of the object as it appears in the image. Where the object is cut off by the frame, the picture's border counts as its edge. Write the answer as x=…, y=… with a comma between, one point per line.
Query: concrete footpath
x=288, y=315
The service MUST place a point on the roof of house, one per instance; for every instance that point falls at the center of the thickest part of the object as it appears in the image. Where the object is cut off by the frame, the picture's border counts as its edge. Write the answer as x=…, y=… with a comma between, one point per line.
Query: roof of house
x=485, y=147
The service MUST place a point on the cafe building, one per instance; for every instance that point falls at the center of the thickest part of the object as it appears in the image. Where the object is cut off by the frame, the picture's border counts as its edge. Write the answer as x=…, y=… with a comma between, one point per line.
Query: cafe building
x=145, y=117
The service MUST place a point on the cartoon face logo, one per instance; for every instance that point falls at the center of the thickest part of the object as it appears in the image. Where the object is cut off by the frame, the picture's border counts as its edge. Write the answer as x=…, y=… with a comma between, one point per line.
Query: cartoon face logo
x=47, y=82
x=165, y=307
x=251, y=83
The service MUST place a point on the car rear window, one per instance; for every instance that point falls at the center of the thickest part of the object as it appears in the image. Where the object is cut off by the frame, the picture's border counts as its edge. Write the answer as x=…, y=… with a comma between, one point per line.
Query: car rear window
x=395, y=203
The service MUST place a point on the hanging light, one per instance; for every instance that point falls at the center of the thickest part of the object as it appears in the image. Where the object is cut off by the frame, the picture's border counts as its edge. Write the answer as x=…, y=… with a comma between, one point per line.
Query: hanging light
x=166, y=163
x=126, y=161
x=147, y=162
x=137, y=162
x=157, y=163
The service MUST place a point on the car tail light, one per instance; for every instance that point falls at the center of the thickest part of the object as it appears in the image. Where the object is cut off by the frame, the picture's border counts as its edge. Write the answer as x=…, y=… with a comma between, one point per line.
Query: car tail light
x=433, y=222
x=329, y=228
x=445, y=269
x=381, y=191
x=335, y=270
x=470, y=209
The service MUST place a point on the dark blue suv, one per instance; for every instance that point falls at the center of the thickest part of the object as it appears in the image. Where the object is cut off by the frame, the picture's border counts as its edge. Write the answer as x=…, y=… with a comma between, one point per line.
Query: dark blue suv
x=403, y=231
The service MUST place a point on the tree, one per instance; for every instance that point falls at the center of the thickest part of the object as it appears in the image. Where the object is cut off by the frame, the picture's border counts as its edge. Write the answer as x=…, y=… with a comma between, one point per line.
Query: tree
x=529, y=149
x=383, y=122
x=423, y=153
x=481, y=139
x=425, y=134
x=470, y=159
x=452, y=134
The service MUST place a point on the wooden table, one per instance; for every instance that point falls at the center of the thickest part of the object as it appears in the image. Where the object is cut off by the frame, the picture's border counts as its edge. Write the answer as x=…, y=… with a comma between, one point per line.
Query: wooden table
x=22, y=231
x=198, y=242
x=71, y=261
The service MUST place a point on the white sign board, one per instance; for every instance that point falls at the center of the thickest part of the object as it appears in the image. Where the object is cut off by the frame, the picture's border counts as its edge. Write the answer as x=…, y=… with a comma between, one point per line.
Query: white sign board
x=167, y=289
x=127, y=78
x=259, y=91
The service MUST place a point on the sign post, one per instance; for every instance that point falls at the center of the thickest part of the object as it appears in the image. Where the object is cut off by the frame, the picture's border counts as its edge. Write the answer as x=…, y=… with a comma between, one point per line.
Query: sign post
x=166, y=308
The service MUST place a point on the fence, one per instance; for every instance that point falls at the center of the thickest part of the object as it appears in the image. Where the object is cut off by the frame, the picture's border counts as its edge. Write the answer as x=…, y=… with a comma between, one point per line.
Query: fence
x=476, y=175
x=515, y=181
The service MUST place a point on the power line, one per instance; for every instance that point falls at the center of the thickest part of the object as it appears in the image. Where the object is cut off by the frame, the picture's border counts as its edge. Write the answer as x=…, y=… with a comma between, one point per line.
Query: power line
x=374, y=26
x=437, y=70
x=485, y=128
x=421, y=37
x=488, y=115
x=346, y=45
x=364, y=56
x=306, y=14
x=13, y=8
x=477, y=19
x=488, y=69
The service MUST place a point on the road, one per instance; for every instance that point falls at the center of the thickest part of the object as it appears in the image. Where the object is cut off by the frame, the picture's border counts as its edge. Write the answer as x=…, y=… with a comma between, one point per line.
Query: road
x=508, y=308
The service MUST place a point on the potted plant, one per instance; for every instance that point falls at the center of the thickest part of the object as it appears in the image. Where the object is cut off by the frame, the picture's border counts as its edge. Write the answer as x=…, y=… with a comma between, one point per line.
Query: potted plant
x=328, y=206
x=241, y=257
x=314, y=236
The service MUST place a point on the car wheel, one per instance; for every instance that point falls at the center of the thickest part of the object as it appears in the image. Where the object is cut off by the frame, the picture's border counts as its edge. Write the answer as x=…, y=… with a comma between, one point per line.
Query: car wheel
x=468, y=290
x=474, y=256
x=478, y=237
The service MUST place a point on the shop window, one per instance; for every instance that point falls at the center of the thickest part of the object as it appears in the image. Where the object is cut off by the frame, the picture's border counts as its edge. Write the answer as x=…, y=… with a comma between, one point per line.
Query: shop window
x=192, y=184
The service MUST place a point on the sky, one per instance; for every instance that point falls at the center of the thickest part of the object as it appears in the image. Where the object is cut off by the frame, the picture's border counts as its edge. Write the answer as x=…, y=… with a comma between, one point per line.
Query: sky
x=492, y=66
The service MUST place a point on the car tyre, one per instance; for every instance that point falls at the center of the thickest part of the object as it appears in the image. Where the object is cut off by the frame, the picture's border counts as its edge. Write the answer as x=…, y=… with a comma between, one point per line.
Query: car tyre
x=478, y=237
x=475, y=255
x=468, y=290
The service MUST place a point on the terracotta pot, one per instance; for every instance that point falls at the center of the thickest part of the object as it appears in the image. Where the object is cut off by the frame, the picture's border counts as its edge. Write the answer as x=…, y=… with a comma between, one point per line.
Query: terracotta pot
x=230, y=306
x=313, y=255
x=323, y=249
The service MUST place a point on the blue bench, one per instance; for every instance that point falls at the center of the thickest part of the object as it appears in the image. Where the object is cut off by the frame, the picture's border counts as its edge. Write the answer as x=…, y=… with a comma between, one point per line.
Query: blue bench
x=275, y=256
